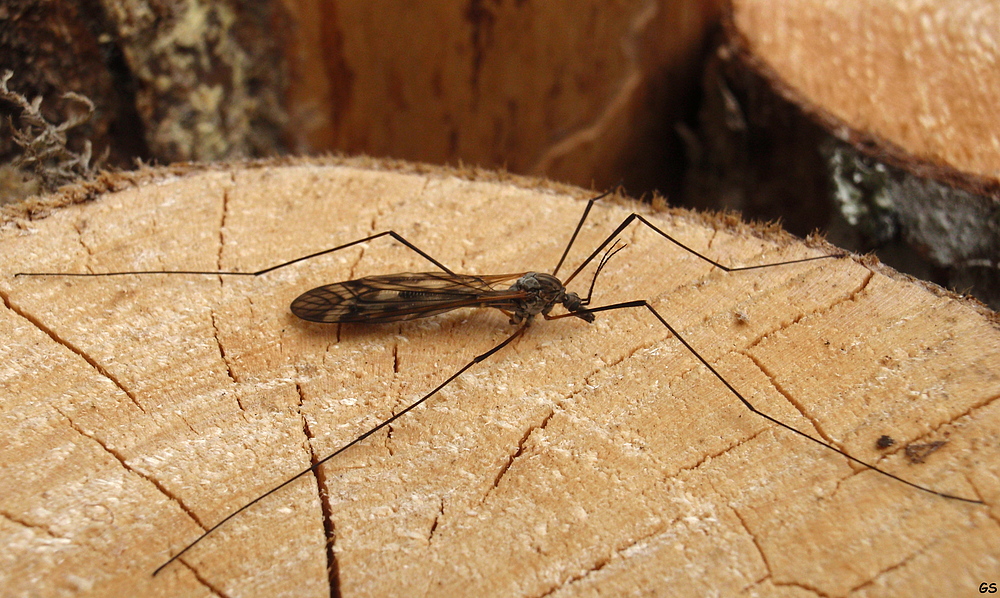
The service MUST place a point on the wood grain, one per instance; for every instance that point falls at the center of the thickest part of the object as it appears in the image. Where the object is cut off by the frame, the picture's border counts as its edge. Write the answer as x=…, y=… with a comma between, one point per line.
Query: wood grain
x=585, y=459
x=918, y=76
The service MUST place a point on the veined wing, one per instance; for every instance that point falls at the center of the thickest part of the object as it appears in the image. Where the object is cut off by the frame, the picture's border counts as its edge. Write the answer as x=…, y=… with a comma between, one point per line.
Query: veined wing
x=405, y=296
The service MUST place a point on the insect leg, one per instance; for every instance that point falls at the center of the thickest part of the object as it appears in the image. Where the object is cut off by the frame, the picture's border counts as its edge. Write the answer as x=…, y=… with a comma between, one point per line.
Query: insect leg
x=749, y=405
x=633, y=217
x=360, y=438
x=390, y=233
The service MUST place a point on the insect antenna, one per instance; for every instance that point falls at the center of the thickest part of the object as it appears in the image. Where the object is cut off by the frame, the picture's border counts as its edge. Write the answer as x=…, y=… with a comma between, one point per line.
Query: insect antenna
x=600, y=266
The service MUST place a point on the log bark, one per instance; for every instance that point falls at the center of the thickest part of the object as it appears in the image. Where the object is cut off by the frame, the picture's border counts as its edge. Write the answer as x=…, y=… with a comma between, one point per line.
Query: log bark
x=586, y=92
x=872, y=120
x=583, y=459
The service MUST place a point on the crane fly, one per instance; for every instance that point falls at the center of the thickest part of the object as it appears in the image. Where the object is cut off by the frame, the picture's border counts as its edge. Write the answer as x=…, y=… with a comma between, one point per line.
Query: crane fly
x=521, y=296
x=408, y=296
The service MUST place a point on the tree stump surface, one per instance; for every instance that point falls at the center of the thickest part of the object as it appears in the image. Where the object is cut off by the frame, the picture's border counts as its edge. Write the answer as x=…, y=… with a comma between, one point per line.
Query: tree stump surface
x=583, y=459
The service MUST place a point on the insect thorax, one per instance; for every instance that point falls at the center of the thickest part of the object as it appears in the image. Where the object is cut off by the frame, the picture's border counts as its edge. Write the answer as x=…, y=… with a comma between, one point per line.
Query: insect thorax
x=544, y=292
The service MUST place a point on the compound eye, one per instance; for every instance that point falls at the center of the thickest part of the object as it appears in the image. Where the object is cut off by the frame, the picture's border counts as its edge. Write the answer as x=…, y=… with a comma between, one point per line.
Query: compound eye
x=572, y=301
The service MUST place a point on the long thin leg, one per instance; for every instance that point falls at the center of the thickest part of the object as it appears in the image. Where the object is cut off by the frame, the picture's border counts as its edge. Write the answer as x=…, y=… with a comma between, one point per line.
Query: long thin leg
x=390, y=233
x=747, y=404
x=633, y=217
x=313, y=467
x=579, y=225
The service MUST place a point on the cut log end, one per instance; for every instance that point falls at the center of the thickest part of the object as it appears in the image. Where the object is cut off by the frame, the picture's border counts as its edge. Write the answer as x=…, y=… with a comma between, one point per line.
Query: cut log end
x=879, y=130
x=581, y=459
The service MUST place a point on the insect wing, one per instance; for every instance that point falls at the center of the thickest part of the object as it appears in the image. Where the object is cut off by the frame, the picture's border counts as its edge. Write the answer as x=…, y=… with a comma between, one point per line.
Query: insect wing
x=398, y=297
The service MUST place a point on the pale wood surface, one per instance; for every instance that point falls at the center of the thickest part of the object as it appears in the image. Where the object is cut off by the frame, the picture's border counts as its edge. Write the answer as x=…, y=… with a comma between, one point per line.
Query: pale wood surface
x=872, y=120
x=921, y=76
x=584, y=460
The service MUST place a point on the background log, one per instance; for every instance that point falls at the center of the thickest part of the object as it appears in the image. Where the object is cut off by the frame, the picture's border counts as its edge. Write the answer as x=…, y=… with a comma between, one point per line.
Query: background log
x=582, y=460
x=871, y=120
x=581, y=91
x=875, y=121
